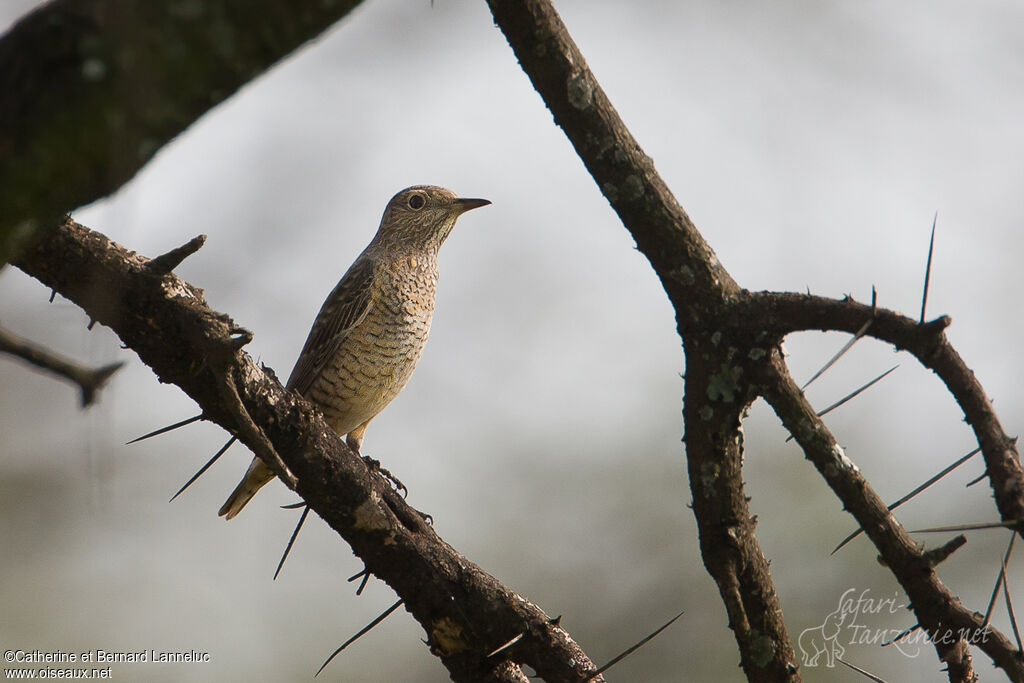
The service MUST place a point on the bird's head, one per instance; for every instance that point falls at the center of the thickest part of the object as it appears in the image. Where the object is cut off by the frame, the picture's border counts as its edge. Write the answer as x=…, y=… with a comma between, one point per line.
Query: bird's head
x=423, y=216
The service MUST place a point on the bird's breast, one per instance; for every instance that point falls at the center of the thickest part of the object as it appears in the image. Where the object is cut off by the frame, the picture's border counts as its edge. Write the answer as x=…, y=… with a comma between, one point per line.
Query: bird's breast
x=377, y=358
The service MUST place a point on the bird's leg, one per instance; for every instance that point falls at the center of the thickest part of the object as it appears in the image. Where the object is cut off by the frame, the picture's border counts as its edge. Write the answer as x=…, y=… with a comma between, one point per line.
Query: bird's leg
x=354, y=440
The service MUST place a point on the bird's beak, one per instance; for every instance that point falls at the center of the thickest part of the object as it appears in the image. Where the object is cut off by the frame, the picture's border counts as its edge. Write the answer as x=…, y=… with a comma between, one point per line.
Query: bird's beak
x=468, y=204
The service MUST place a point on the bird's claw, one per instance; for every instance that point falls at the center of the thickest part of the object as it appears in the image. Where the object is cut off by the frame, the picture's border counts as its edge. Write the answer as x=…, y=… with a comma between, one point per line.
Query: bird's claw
x=374, y=465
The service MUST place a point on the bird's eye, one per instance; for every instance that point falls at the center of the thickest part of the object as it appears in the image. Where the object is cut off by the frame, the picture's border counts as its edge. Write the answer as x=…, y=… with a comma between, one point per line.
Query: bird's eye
x=416, y=201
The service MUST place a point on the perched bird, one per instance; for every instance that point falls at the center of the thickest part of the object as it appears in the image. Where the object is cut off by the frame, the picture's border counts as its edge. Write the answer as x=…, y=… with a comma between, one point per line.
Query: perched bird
x=370, y=332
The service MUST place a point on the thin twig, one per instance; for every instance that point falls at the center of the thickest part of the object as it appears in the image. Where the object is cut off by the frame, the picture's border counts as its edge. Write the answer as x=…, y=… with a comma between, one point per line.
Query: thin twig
x=913, y=493
x=928, y=268
x=1006, y=593
x=205, y=467
x=257, y=439
x=291, y=541
x=966, y=527
x=364, y=576
x=866, y=674
x=972, y=482
x=164, y=430
x=901, y=635
x=995, y=594
x=1000, y=580
x=860, y=333
x=936, y=556
x=89, y=380
x=615, y=660
x=384, y=615
x=509, y=643
x=165, y=263
x=850, y=396
x=855, y=393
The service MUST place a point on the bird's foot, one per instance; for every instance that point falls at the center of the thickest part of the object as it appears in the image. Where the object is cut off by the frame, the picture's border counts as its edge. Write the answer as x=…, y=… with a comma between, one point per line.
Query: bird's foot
x=395, y=482
x=427, y=517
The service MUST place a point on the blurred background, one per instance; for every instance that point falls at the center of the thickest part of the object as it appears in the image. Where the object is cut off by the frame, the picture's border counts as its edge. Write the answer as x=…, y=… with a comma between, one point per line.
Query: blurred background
x=811, y=143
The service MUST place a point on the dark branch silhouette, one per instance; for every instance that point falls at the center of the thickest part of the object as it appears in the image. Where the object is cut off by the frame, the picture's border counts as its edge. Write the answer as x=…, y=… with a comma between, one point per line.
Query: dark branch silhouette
x=93, y=88
x=89, y=380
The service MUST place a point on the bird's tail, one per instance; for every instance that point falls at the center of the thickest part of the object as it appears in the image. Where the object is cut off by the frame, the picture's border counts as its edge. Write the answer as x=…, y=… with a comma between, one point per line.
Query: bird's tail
x=255, y=477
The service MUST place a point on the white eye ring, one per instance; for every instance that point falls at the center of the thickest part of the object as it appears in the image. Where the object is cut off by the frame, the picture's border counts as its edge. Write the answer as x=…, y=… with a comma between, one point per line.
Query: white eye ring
x=417, y=202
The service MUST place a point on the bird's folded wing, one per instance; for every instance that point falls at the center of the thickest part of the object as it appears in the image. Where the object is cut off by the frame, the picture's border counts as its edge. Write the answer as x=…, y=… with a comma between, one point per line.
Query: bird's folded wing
x=346, y=307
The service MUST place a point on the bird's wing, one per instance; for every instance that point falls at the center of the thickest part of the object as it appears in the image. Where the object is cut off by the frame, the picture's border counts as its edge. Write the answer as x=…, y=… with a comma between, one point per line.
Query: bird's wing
x=345, y=308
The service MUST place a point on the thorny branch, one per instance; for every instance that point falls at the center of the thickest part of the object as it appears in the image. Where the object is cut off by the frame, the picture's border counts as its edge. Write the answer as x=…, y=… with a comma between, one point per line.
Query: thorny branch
x=700, y=288
x=465, y=612
x=950, y=625
x=929, y=344
x=730, y=337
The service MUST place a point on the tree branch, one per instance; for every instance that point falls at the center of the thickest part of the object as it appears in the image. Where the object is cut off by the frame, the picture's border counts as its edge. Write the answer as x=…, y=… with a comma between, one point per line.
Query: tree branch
x=465, y=612
x=89, y=380
x=730, y=339
x=93, y=88
x=949, y=624
x=700, y=290
x=626, y=176
x=788, y=312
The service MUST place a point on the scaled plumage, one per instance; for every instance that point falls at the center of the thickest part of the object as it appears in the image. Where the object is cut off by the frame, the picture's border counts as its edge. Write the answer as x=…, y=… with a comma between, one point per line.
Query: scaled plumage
x=370, y=332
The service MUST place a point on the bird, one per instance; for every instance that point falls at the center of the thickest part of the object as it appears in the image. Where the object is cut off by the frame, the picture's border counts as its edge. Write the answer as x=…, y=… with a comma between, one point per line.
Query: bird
x=370, y=332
